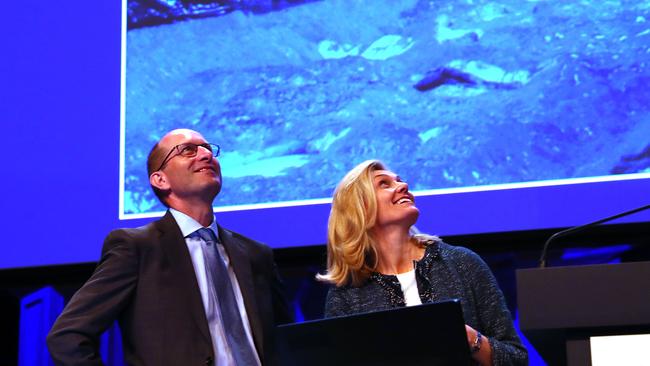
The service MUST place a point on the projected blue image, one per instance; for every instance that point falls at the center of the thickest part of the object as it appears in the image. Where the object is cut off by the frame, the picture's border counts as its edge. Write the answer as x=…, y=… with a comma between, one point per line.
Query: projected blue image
x=447, y=93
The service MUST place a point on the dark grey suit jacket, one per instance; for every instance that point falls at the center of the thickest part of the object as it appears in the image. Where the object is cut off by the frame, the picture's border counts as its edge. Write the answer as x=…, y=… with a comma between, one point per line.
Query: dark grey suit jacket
x=145, y=279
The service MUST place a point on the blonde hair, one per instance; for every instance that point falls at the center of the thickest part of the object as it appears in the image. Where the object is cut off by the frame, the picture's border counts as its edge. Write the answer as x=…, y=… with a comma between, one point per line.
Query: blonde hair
x=351, y=254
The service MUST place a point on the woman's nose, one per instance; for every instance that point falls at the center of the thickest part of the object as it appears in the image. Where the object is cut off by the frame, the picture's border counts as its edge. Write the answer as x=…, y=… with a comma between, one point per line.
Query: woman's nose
x=402, y=187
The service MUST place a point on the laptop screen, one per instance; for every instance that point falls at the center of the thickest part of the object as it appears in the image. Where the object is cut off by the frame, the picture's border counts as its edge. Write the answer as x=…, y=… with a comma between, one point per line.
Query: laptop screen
x=428, y=334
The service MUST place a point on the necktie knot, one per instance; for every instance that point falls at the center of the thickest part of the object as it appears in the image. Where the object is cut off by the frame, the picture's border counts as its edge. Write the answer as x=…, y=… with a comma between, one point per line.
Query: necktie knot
x=207, y=235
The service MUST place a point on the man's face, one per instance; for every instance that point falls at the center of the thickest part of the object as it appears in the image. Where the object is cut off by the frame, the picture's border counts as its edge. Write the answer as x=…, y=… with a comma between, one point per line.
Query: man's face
x=395, y=204
x=190, y=177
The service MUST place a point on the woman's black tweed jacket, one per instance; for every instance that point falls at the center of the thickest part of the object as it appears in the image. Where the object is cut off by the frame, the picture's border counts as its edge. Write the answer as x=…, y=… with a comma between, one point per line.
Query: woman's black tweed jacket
x=445, y=272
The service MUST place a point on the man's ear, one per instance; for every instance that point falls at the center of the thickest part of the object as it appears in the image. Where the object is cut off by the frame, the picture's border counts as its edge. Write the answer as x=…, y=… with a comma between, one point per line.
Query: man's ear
x=159, y=180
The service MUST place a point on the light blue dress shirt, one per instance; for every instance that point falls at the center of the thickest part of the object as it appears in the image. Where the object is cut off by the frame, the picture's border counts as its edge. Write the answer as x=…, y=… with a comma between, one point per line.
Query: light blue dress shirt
x=188, y=226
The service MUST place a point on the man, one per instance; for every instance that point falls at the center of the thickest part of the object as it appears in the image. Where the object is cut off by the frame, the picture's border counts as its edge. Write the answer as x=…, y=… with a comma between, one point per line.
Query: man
x=162, y=281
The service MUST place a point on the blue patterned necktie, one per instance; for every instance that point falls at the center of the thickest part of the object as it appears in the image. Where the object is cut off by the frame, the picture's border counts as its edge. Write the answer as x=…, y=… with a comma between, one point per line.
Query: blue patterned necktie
x=223, y=291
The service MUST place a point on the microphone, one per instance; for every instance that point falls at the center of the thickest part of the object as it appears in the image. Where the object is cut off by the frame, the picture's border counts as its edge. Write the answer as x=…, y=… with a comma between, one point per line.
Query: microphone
x=575, y=229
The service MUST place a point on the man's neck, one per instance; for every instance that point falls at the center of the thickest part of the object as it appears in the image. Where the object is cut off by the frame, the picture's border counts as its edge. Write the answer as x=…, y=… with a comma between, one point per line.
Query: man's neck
x=199, y=211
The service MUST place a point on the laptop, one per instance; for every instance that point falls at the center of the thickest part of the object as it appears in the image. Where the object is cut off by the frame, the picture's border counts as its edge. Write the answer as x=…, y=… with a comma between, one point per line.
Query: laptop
x=428, y=334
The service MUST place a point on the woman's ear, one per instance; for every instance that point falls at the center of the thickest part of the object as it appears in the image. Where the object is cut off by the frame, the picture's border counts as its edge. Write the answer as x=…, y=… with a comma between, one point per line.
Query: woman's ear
x=159, y=180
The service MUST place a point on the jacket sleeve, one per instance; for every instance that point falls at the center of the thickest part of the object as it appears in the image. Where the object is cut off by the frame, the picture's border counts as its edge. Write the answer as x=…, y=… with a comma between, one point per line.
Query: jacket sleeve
x=494, y=317
x=282, y=311
x=74, y=338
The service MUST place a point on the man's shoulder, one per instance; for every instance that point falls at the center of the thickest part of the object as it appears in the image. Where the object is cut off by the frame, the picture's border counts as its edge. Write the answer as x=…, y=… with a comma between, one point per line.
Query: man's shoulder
x=144, y=233
x=243, y=239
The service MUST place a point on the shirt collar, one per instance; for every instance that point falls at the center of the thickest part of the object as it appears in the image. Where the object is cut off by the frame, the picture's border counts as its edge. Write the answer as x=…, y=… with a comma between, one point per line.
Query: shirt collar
x=188, y=225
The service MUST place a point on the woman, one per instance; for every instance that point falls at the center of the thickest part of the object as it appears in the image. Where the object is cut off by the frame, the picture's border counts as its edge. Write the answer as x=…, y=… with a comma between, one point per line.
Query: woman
x=377, y=262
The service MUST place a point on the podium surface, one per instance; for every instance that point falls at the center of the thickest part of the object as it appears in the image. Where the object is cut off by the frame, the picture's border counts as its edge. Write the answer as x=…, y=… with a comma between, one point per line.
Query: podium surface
x=561, y=307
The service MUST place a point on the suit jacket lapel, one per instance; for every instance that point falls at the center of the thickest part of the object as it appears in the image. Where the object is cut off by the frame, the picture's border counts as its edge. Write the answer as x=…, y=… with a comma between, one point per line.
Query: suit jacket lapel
x=173, y=243
x=239, y=259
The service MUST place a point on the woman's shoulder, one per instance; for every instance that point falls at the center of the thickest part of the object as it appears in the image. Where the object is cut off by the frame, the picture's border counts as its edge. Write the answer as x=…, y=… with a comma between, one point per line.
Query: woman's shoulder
x=456, y=252
x=464, y=258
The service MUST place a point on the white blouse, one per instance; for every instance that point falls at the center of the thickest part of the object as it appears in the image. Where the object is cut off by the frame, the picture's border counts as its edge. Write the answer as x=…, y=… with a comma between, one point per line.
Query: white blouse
x=409, y=288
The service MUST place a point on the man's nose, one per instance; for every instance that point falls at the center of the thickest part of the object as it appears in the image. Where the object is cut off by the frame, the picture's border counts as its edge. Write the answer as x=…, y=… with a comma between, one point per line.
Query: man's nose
x=204, y=154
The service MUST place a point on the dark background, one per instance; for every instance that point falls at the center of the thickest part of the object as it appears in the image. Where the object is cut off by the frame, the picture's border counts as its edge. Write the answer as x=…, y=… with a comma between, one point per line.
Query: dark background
x=59, y=109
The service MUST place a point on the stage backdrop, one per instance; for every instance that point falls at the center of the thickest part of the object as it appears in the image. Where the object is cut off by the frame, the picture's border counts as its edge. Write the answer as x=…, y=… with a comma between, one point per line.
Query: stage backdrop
x=501, y=115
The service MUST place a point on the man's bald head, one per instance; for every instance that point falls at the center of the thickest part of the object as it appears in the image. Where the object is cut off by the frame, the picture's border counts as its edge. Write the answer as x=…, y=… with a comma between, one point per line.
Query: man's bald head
x=163, y=152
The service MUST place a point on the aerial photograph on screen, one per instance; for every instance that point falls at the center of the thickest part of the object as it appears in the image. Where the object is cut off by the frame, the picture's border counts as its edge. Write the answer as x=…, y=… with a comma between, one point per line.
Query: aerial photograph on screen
x=448, y=93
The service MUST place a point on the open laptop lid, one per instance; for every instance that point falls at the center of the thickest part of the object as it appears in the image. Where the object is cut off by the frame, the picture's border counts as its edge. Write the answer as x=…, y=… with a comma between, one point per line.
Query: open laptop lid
x=428, y=334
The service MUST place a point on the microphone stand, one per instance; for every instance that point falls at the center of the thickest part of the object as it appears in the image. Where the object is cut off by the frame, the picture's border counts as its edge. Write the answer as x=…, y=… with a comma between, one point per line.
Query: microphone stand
x=575, y=229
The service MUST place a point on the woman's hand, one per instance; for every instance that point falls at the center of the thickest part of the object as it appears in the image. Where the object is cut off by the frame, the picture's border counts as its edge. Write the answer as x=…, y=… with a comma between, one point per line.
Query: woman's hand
x=479, y=345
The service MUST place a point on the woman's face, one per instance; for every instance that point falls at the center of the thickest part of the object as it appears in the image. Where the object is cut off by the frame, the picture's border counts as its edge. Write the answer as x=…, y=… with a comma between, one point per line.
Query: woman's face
x=395, y=204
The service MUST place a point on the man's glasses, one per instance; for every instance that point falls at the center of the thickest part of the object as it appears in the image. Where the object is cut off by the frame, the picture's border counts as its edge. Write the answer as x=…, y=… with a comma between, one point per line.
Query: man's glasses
x=189, y=150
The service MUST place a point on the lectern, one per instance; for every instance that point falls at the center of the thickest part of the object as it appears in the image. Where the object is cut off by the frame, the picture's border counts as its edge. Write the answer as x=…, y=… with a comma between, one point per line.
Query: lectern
x=560, y=308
